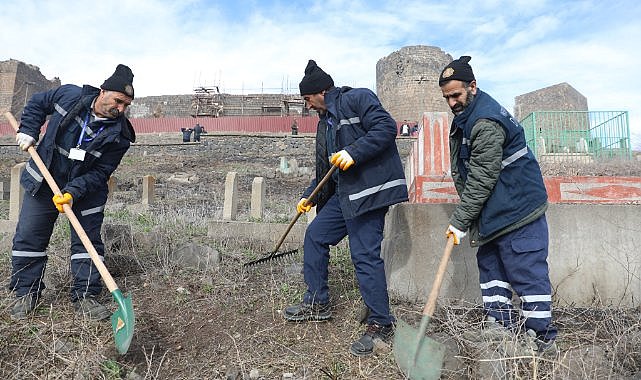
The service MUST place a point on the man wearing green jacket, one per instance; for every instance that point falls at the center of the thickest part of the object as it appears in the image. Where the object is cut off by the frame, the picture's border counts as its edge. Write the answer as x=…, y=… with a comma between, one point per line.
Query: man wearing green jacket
x=503, y=204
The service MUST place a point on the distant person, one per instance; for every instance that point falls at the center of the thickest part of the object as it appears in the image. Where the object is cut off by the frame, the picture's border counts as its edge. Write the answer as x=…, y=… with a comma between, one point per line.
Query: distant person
x=186, y=134
x=295, y=127
x=503, y=204
x=357, y=135
x=405, y=129
x=86, y=137
x=198, y=130
x=414, y=129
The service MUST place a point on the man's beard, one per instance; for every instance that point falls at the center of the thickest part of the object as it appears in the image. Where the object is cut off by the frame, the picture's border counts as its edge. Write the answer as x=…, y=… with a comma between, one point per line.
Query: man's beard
x=458, y=107
x=114, y=113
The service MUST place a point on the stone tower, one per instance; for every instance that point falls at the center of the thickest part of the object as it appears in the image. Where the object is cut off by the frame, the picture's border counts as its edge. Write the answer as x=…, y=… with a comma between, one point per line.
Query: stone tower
x=407, y=81
x=18, y=81
x=559, y=97
x=559, y=132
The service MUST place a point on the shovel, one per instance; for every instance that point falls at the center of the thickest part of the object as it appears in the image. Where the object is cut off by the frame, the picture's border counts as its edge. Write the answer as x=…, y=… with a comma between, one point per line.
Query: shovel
x=122, y=320
x=418, y=356
x=273, y=255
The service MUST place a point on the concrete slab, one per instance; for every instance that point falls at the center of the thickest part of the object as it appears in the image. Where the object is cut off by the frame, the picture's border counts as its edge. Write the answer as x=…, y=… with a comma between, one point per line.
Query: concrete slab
x=594, y=256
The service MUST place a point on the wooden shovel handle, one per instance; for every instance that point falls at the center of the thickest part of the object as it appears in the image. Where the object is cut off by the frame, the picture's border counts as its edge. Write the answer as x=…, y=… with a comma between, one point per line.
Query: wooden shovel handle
x=430, y=306
x=309, y=199
x=106, y=276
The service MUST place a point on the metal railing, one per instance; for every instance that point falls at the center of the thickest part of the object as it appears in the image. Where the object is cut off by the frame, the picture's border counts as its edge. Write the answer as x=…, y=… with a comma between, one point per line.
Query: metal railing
x=578, y=135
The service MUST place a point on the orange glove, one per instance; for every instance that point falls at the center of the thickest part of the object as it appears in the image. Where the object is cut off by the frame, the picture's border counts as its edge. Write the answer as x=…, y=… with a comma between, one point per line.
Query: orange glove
x=458, y=234
x=60, y=200
x=342, y=159
x=303, y=206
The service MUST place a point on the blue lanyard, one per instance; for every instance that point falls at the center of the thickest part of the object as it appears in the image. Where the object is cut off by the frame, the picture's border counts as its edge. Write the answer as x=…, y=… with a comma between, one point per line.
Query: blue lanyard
x=82, y=133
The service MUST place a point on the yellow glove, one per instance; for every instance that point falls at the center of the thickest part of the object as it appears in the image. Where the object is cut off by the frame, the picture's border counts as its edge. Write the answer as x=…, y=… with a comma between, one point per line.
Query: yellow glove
x=302, y=206
x=458, y=234
x=60, y=200
x=342, y=159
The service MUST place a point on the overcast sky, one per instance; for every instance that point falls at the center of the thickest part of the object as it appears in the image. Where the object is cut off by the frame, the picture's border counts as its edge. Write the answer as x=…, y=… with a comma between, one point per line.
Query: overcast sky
x=263, y=45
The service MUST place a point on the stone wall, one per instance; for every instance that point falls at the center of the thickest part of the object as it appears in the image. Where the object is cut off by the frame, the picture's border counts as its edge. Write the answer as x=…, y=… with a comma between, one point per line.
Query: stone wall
x=407, y=81
x=160, y=106
x=217, y=105
x=239, y=146
x=18, y=82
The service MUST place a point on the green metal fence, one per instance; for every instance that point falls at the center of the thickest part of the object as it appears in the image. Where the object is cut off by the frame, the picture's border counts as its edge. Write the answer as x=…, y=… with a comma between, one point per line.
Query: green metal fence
x=582, y=135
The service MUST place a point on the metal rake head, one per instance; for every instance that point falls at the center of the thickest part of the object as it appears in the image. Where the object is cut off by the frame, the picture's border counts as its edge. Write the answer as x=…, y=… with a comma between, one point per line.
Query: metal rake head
x=270, y=257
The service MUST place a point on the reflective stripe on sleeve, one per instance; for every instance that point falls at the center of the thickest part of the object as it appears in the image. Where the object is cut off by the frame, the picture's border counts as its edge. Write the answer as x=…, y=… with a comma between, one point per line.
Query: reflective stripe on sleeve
x=376, y=189
x=94, y=210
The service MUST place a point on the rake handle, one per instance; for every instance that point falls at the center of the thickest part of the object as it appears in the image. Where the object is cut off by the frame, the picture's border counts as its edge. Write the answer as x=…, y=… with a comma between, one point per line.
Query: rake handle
x=309, y=199
x=106, y=276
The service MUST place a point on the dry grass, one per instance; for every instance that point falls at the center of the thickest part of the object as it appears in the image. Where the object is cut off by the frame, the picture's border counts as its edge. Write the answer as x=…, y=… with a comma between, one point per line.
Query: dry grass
x=226, y=323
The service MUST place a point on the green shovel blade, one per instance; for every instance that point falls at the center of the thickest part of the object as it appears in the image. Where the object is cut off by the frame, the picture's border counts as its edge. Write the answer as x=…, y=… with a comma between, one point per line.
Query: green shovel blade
x=122, y=321
x=417, y=355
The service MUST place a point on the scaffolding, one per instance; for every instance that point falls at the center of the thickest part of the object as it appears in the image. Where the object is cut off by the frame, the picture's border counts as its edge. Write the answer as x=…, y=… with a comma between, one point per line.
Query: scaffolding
x=207, y=102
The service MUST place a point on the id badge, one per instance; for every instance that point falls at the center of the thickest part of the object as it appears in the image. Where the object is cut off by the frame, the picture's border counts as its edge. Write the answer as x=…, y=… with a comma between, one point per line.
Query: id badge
x=77, y=154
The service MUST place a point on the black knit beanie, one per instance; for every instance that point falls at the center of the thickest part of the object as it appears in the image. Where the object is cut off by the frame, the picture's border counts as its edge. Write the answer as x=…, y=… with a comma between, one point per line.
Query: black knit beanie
x=459, y=69
x=315, y=80
x=121, y=81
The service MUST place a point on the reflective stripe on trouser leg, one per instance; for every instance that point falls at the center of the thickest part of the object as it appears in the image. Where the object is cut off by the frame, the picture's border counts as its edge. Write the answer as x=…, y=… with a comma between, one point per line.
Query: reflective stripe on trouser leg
x=327, y=228
x=495, y=287
x=86, y=278
x=524, y=255
x=365, y=235
x=28, y=253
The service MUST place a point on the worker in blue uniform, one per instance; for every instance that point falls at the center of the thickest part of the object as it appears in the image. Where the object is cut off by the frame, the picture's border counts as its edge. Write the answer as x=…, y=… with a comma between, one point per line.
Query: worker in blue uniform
x=86, y=137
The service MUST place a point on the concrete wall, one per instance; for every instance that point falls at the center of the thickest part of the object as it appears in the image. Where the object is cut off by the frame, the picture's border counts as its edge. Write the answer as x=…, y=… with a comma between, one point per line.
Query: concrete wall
x=594, y=254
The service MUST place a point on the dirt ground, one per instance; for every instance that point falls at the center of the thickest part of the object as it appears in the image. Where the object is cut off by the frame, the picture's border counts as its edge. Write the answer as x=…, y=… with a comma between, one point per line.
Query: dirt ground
x=225, y=322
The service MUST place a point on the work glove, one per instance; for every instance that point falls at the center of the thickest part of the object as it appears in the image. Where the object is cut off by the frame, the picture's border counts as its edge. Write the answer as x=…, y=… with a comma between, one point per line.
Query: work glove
x=458, y=234
x=342, y=159
x=24, y=140
x=302, y=206
x=60, y=200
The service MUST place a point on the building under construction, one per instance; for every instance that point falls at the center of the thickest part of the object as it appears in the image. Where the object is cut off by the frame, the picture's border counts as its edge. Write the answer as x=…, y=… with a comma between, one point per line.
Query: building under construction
x=209, y=102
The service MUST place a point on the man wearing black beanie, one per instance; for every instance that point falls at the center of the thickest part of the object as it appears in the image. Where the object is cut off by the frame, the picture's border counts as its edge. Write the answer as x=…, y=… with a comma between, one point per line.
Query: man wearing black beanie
x=503, y=205
x=358, y=136
x=86, y=137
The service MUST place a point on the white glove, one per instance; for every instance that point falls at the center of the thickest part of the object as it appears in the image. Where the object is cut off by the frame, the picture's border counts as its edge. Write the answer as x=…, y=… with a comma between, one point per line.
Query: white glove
x=458, y=234
x=24, y=140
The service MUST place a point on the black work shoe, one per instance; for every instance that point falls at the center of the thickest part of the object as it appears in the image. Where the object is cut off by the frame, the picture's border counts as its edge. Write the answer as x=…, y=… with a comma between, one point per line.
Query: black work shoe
x=374, y=335
x=23, y=306
x=91, y=309
x=308, y=312
x=542, y=347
